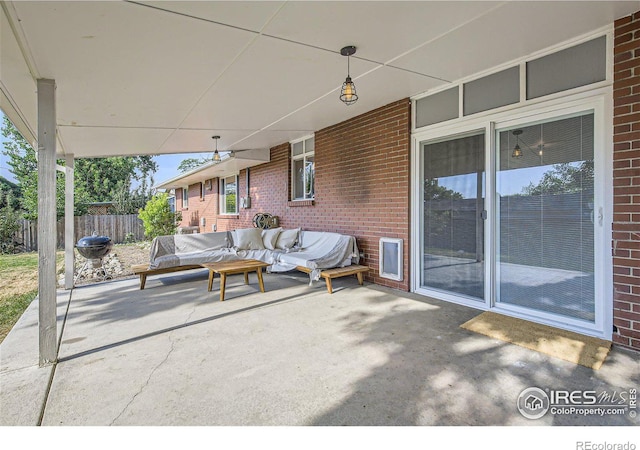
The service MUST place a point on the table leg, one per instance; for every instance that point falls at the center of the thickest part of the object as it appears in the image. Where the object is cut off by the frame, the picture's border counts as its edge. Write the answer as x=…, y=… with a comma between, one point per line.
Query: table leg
x=260, y=281
x=246, y=278
x=211, y=276
x=223, y=283
x=360, y=278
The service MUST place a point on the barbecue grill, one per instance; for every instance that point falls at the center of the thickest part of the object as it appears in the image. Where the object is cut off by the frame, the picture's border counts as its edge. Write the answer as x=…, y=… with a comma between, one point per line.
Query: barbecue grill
x=94, y=248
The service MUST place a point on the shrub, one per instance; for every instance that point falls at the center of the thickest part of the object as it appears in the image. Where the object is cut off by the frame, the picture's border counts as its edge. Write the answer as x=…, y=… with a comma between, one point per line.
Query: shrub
x=157, y=217
x=8, y=224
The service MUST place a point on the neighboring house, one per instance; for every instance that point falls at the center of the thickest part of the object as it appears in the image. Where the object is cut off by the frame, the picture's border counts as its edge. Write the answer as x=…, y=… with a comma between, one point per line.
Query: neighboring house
x=99, y=208
x=496, y=185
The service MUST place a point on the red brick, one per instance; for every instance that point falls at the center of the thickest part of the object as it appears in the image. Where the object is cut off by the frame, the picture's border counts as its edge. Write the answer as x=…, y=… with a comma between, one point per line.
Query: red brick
x=621, y=340
x=360, y=165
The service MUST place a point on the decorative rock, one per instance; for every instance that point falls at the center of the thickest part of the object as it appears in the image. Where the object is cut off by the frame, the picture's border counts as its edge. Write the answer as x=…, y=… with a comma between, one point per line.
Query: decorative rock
x=111, y=266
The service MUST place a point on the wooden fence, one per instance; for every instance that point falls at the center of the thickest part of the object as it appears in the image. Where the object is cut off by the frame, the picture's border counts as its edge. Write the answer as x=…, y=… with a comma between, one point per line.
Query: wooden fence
x=118, y=227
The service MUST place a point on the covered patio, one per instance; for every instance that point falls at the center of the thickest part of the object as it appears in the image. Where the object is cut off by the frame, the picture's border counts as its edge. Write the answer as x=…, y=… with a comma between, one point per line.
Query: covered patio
x=99, y=79
x=294, y=355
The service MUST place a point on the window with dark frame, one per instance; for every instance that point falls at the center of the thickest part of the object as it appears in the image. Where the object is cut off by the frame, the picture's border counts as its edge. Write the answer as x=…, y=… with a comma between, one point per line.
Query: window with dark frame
x=229, y=195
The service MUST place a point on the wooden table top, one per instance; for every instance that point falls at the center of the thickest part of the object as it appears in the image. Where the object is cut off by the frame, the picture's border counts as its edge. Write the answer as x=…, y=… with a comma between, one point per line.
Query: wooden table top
x=235, y=265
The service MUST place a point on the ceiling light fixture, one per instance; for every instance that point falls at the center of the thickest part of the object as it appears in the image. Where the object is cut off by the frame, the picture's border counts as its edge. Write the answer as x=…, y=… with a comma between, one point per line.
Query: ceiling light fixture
x=348, y=92
x=216, y=155
x=517, y=152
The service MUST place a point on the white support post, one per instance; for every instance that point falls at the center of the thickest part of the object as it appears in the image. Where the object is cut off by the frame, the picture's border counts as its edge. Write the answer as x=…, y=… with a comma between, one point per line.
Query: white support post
x=47, y=220
x=69, y=226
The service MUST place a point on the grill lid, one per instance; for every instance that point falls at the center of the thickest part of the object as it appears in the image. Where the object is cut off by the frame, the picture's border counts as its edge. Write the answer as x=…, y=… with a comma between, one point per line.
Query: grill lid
x=93, y=242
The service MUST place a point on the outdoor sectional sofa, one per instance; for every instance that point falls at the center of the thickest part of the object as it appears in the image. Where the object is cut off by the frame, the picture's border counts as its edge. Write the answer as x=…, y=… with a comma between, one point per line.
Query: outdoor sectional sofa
x=313, y=252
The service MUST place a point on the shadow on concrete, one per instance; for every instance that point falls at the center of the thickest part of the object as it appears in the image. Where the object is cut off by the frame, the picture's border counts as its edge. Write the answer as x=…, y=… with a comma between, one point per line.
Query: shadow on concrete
x=439, y=374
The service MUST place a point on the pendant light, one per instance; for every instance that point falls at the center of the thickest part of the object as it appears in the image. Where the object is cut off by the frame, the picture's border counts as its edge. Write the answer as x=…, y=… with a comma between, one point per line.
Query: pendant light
x=517, y=152
x=216, y=155
x=348, y=92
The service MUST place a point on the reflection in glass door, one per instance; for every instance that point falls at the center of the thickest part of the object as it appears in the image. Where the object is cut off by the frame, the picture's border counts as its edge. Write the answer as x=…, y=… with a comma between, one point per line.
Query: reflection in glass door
x=545, y=217
x=452, y=213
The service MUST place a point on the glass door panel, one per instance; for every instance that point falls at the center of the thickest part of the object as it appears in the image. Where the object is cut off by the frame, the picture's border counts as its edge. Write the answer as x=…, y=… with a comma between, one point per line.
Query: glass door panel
x=545, y=217
x=452, y=212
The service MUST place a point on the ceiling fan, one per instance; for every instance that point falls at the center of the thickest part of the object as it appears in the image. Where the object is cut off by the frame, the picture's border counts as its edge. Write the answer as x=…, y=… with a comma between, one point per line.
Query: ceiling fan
x=216, y=154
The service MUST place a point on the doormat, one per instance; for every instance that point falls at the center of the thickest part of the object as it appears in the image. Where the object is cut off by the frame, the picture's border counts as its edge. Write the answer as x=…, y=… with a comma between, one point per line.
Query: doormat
x=573, y=347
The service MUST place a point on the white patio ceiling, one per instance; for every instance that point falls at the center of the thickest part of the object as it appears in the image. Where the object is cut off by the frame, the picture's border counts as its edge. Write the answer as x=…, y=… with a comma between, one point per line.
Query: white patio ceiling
x=163, y=77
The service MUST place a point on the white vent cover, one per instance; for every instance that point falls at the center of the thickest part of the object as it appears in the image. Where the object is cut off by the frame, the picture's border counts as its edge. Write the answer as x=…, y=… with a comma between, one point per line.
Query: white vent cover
x=391, y=259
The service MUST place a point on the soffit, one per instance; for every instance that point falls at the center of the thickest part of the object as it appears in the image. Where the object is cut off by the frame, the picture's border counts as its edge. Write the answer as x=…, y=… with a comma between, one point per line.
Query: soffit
x=149, y=78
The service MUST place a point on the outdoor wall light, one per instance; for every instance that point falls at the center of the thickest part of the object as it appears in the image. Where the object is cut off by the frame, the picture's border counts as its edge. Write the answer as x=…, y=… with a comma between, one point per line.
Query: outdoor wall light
x=348, y=92
x=216, y=155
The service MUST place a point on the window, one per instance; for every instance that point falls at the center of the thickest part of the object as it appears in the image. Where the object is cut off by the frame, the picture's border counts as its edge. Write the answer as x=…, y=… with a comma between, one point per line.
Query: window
x=302, y=169
x=185, y=197
x=567, y=69
x=580, y=65
x=437, y=108
x=229, y=195
x=493, y=91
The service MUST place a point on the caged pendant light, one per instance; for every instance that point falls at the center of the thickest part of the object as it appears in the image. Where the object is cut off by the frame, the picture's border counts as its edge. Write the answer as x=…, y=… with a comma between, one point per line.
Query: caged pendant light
x=517, y=151
x=348, y=92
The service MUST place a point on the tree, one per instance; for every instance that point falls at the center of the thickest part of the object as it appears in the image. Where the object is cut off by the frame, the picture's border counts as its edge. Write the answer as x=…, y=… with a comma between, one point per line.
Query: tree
x=157, y=217
x=22, y=159
x=564, y=178
x=191, y=163
x=95, y=180
x=7, y=187
x=8, y=222
x=433, y=191
x=111, y=179
x=439, y=204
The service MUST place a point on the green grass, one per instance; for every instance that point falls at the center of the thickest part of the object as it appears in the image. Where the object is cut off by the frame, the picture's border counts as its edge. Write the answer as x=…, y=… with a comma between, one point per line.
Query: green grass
x=18, y=286
x=11, y=308
x=22, y=260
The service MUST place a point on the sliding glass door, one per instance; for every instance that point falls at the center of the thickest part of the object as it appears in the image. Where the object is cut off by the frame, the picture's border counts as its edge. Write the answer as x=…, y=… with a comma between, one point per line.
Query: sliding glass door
x=453, y=209
x=545, y=217
x=521, y=236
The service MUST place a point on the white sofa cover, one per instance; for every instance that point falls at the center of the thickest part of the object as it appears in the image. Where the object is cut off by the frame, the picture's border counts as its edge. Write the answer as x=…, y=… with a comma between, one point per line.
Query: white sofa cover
x=319, y=250
x=190, y=249
x=315, y=250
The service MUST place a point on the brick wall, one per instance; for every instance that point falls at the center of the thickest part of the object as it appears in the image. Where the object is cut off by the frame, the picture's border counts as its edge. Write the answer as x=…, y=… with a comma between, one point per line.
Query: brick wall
x=361, y=186
x=626, y=181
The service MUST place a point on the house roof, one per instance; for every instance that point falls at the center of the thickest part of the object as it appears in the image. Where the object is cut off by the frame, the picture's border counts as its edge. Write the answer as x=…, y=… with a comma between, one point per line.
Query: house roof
x=230, y=164
x=163, y=77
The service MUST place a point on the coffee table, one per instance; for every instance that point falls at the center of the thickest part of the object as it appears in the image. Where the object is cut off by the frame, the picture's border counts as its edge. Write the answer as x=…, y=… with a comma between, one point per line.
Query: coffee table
x=225, y=268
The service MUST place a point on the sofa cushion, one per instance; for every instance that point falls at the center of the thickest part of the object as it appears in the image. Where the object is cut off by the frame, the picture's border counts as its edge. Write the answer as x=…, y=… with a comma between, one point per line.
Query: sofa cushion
x=270, y=237
x=287, y=239
x=248, y=239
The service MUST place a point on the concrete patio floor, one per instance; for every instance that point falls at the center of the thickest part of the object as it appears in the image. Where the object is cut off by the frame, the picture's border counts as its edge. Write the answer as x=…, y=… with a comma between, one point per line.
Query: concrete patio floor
x=173, y=355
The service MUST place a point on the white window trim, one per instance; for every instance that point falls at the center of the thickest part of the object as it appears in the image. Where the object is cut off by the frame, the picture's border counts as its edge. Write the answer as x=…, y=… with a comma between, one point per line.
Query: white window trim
x=600, y=100
x=185, y=197
x=400, y=261
x=222, y=196
x=303, y=157
x=521, y=62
